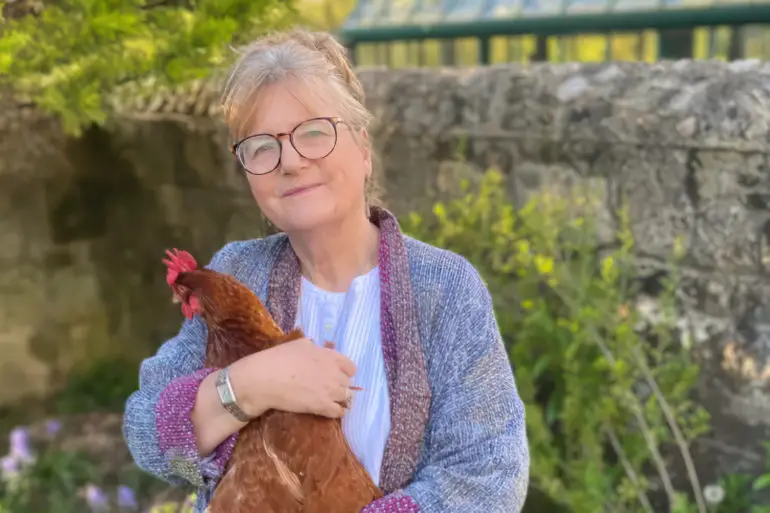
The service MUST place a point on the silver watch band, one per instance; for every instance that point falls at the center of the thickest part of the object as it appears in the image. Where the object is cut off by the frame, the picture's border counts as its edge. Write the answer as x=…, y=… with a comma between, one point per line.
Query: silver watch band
x=227, y=396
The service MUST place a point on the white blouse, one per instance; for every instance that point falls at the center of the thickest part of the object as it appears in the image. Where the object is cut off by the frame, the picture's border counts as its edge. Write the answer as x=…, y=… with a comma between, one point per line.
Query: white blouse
x=352, y=321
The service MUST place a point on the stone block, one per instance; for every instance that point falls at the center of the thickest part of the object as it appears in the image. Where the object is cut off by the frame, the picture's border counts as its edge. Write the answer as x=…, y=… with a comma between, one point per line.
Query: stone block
x=21, y=373
x=22, y=294
x=24, y=231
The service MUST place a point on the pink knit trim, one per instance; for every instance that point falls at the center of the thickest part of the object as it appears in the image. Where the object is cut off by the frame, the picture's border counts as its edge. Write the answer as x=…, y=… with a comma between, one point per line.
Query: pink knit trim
x=176, y=435
x=395, y=503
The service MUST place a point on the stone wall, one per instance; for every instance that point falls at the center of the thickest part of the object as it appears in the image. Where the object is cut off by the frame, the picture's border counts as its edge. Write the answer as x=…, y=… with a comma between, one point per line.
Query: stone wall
x=85, y=222
x=83, y=227
x=685, y=145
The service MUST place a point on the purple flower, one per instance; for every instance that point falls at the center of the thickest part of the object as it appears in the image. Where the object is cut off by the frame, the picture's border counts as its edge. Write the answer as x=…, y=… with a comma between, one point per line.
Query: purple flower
x=96, y=498
x=9, y=466
x=126, y=498
x=20, y=448
x=53, y=426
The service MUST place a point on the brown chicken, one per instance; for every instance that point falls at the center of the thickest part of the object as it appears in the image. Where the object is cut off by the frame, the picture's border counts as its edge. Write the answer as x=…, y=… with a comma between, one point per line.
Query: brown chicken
x=282, y=462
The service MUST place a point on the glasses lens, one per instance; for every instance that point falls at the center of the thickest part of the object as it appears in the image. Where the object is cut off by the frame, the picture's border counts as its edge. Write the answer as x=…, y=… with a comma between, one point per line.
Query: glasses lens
x=259, y=154
x=315, y=139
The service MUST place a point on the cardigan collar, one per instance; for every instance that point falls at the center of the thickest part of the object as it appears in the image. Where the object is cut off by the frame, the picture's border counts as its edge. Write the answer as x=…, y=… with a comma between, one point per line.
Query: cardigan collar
x=405, y=369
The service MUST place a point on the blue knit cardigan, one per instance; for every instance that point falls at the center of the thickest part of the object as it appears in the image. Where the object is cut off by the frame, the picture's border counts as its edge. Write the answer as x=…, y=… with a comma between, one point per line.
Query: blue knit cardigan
x=458, y=440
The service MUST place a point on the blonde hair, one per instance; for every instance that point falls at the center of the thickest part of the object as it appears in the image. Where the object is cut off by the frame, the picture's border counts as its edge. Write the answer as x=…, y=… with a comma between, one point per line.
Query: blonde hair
x=314, y=59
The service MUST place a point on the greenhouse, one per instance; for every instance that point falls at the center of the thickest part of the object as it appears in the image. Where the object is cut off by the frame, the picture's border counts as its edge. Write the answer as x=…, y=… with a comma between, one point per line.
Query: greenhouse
x=468, y=32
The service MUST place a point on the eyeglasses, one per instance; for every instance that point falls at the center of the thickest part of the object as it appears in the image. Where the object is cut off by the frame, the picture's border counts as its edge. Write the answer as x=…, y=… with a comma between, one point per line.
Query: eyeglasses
x=260, y=154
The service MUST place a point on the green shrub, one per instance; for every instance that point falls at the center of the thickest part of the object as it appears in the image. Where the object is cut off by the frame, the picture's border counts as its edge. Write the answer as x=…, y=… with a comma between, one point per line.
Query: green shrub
x=597, y=376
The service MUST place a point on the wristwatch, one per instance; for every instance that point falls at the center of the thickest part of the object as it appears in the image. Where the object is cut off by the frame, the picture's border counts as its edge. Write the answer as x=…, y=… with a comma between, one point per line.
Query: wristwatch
x=227, y=396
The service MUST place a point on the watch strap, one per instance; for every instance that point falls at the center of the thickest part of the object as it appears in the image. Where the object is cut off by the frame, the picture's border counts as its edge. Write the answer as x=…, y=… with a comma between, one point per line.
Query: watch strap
x=227, y=396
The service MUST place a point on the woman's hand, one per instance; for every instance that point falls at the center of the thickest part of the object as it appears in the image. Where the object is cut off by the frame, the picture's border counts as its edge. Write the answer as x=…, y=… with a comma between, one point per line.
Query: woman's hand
x=297, y=376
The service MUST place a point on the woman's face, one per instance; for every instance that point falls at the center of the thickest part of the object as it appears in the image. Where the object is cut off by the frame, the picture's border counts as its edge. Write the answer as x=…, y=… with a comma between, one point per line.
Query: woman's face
x=301, y=193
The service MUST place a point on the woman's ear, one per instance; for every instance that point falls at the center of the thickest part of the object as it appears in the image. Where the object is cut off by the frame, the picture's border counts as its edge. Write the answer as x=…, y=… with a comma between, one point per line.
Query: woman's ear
x=366, y=148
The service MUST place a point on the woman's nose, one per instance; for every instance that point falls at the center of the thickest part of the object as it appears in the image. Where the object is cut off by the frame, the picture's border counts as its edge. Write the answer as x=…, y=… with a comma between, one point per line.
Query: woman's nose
x=290, y=160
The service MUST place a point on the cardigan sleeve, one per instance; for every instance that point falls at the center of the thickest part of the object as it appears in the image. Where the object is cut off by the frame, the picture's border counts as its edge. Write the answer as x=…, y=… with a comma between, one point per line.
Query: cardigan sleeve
x=157, y=425
x=476, y=456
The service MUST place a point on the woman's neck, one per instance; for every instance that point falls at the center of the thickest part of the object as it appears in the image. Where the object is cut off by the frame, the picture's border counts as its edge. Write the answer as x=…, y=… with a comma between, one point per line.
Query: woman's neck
x=332, y=257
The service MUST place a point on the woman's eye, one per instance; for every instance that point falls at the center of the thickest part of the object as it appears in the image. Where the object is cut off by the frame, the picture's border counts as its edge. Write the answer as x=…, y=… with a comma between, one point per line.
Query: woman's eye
x=263, y=148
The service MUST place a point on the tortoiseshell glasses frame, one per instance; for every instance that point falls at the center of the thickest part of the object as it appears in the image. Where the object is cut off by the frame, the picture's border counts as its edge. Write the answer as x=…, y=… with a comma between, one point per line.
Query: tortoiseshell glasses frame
x=314, y=138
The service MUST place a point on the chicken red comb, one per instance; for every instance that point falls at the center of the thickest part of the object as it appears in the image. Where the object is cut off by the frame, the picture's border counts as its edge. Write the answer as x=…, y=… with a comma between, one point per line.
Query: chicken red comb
x=178, y=262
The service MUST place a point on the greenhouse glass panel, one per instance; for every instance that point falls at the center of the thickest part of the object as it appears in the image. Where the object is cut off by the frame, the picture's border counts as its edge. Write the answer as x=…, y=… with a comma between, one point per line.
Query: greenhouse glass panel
x=677, y=4
x=582, y=6
x=502, y=8
x=464, y=10
x=636, y=5
x=367, y=13
x=533, y=8
x=428, y=11
x=398, y=12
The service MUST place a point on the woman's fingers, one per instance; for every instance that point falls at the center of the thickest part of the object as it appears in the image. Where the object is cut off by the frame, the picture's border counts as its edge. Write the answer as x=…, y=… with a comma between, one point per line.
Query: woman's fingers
x=347, y=365
x=340, y=392
x=333, y=410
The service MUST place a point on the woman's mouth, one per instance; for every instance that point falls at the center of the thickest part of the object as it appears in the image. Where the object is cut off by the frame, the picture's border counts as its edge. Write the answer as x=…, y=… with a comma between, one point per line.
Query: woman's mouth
x=296, y=191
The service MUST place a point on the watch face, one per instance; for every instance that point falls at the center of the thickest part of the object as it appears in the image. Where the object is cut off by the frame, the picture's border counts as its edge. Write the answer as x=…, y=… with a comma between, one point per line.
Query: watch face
x=224, y=393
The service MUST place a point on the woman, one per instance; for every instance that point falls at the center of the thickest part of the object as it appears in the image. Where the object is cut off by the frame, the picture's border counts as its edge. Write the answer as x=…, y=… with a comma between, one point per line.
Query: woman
x=439, y=424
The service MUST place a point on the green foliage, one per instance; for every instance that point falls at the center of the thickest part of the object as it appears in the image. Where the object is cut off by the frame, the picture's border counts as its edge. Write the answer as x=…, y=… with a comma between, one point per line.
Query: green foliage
x=175, y=507
x=76, y=53
x=735, y=493
x=740, y=490
x=51, y=483
x=103, y=386
x=41, y=474
x=597, y=376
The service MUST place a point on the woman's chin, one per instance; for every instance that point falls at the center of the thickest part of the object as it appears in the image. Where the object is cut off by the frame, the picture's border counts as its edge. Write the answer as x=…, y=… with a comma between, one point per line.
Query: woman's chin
x=307, y=216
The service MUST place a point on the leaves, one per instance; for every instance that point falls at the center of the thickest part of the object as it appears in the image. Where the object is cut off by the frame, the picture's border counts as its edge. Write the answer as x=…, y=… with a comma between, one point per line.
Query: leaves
x=569, y=316
x=581, y=347
x=761, y=482
x=72, y=57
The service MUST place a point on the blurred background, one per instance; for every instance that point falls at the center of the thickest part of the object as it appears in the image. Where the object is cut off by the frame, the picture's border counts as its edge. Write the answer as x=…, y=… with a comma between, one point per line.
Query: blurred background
x=603, y=163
